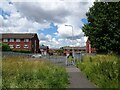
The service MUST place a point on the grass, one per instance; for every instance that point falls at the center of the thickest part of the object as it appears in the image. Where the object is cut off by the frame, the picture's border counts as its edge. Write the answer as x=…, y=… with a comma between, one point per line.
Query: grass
x=21, y=72
x=102, y=70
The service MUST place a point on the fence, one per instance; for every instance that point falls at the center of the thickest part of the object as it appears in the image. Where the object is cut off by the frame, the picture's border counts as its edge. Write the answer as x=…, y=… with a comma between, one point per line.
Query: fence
x=8, y=53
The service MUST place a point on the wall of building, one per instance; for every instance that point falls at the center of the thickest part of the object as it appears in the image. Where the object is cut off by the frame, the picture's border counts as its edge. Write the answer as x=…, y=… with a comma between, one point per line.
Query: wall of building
x=35, y=44
x=21, y=43
x=89, y=49
x=75, y=49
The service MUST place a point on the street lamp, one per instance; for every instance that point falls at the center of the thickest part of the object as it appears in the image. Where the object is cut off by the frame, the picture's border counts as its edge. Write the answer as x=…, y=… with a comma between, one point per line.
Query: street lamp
x=72, y=39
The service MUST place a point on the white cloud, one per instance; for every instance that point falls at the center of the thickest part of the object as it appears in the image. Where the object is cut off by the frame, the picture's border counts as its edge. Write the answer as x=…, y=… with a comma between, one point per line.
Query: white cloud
x=52, y=0
x=69, y=32
x=31, y=16
x=18, y=23
x=1, y=21
x=49, y=41
x=64, y=31
x=43, y=11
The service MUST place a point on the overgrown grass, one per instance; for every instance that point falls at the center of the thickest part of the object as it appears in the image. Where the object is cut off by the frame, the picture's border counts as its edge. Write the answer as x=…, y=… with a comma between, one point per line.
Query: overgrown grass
x=20, y=72
x=102, y=70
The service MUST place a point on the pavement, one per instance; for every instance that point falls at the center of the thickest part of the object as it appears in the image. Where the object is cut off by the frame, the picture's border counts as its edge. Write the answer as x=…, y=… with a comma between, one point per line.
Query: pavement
x=77, y=79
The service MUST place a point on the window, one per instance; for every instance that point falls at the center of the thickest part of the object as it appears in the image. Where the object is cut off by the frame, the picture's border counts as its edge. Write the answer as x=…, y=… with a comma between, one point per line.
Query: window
x=11, y=46
x=17, y=40
x=17, y=46
x=11, y=40
x=26, y=40
x=5, y=40
x=25, y=46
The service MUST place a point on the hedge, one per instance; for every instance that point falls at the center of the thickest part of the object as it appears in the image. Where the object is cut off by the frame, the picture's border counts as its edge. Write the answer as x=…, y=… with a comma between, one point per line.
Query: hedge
x=22, y=51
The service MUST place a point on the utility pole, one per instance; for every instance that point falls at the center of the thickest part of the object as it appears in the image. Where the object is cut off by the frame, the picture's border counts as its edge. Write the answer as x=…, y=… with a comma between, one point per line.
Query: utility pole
x=72, y=42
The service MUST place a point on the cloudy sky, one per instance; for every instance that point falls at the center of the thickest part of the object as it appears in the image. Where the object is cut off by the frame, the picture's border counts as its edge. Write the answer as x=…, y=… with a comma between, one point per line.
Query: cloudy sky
x=47, y=18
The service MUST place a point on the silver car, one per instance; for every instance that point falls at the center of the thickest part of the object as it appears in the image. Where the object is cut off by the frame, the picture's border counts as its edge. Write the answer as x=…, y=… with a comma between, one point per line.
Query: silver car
x=36, y=56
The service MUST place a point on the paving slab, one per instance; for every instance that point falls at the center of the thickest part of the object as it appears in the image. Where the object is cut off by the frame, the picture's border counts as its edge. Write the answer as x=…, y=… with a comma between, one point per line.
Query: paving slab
x=77, y=79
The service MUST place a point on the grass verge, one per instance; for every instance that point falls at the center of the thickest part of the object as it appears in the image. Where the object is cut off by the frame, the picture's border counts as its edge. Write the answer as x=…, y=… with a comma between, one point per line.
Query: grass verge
x=20, y=72
x=103, y=70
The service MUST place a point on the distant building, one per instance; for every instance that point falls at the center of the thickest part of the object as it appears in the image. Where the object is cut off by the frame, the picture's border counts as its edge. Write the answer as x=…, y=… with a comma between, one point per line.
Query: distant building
x=89, y=49
x=53, y=51
x=68, y=50
x=21, y=41
x=44, y=50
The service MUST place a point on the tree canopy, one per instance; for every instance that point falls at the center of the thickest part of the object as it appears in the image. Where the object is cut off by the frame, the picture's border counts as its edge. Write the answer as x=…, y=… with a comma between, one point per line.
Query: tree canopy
x=103, y=28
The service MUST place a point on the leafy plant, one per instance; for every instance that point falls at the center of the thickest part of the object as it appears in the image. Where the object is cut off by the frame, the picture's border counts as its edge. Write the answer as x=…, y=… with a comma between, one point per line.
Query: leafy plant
x=103, y=27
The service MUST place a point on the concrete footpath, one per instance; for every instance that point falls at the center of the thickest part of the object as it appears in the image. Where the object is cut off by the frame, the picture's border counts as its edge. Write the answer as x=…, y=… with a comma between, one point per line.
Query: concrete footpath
x=77, y=79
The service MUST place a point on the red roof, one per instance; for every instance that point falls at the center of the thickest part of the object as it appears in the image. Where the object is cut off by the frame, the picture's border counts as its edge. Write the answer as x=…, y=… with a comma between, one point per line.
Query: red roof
x=18, y=35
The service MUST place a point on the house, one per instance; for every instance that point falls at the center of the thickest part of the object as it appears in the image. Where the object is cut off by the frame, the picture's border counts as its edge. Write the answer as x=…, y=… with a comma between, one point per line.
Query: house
x=53, y=51
x=44, y=50
x=89, y=49
x=68, y=50
x=21, y=41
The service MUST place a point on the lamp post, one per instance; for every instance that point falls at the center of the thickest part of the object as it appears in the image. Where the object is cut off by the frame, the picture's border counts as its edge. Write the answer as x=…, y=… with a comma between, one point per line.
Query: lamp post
x=72, y=41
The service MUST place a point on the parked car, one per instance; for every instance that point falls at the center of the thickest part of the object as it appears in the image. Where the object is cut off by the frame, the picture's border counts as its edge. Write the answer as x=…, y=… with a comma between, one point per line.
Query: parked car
x=36, y=56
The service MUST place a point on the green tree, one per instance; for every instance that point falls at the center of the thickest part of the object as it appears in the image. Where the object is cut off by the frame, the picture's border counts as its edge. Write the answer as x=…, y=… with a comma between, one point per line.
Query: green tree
x=103, y=27
x=5, y=47
x=60, y=51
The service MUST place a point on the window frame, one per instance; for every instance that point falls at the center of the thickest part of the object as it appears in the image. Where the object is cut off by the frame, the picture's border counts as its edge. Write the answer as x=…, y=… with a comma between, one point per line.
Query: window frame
x=18, y=40
x=11, y=46
x=17, y=46
x=12, y=40
x=26, y=40
x=5, y=40
x=26, y=46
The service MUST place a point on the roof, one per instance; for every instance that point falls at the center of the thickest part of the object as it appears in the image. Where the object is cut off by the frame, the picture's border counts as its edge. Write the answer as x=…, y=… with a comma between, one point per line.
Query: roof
x=18, y=35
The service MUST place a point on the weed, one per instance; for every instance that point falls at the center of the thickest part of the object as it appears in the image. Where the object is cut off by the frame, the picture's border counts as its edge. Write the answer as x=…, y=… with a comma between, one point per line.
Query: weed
x=101, y=69
x=21, y=72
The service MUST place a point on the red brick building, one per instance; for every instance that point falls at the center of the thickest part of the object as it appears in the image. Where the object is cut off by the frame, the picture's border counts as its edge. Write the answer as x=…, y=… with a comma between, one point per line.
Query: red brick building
x=89, y=49
x=68, y=50
x=21, y=41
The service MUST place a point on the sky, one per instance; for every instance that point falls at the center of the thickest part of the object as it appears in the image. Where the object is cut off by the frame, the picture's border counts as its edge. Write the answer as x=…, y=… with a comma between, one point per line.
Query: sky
x=47, y=18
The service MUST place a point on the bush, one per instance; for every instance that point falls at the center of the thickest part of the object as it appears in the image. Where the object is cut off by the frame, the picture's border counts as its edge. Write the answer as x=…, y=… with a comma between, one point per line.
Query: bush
x=19, y=72
x=101, y=70
x=5, y=47
x=22, y=51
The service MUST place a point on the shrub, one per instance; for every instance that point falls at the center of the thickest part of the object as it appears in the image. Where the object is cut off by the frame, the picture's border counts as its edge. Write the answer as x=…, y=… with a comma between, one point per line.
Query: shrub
x=5, y=47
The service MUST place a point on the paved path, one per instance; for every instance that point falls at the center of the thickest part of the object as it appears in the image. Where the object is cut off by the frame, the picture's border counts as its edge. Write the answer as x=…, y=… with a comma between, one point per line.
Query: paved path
x=76, y=78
